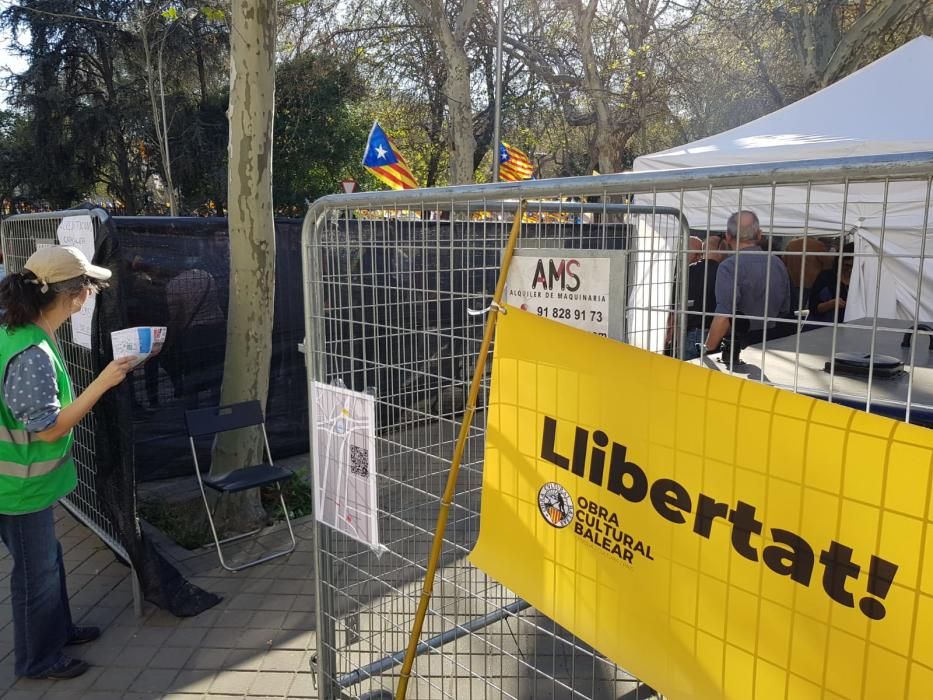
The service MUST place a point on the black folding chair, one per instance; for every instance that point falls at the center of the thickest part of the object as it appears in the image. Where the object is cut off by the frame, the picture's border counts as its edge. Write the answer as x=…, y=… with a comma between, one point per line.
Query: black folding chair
x=209, y=421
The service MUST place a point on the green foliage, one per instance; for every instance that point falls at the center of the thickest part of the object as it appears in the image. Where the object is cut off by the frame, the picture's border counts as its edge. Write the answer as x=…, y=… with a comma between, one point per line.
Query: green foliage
x=186, y=525
x=199, y=154
x=298, y=497
x=320, y=132
x=214, y=14
x=81, y=117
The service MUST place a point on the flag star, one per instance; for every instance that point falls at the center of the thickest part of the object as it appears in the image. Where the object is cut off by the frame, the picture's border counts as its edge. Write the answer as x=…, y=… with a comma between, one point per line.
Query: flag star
x=381, y=152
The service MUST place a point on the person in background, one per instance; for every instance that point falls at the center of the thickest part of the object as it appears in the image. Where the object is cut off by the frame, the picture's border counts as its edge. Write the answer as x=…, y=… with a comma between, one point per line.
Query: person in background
x=831, y=289
x=197, y=331
x=748, y=283
x=701, y=295
x=805, y=258
x=38, y=411
x=715, y=248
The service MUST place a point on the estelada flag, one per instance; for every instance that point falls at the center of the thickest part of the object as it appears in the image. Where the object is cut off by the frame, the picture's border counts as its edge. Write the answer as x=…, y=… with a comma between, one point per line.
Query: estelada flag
x=383, y=160
x=719, y=538
x=514, y=164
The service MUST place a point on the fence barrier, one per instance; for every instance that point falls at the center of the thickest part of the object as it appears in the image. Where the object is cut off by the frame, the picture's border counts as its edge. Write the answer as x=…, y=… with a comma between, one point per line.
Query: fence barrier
x=22, y=235
x=392, y=284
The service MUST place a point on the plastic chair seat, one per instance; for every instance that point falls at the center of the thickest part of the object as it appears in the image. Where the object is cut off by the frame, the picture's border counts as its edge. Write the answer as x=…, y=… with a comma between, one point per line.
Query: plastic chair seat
x=248, y=478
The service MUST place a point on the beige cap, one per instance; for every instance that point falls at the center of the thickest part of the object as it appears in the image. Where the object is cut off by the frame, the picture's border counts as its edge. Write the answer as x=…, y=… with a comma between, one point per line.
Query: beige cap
x=58, y=263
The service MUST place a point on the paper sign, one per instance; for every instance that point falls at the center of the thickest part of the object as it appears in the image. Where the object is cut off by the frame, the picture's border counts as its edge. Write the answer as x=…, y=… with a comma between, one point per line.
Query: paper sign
x=345, y=462
x=572, y=290
x=78, y=231
x=140, y=343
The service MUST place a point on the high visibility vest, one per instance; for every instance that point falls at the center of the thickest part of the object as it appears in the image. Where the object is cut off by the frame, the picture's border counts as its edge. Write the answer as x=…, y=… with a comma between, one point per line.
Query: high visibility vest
x=33, y=474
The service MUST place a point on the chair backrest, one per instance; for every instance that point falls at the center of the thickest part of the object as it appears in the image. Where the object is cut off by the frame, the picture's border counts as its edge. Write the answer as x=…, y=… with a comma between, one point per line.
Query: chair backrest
x=219, y=419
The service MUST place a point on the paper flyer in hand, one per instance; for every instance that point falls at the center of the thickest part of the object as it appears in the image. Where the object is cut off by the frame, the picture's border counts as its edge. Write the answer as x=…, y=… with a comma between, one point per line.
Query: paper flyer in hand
x=140, y=343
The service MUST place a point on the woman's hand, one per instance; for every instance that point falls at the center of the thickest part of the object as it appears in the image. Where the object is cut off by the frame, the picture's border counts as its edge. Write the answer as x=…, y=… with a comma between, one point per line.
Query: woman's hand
x=114, y=373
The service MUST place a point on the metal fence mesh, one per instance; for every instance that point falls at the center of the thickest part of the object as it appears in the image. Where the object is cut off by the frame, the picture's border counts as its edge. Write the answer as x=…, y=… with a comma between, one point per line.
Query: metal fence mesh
x=392, y=317
x=389, y=282
x=22, y=235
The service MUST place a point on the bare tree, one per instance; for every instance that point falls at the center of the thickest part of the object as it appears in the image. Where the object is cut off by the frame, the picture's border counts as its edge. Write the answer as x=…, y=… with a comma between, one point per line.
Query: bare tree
x=155, y=27
x=451, y=36
x=823, y=40
x=611, y=57
x=829, y=36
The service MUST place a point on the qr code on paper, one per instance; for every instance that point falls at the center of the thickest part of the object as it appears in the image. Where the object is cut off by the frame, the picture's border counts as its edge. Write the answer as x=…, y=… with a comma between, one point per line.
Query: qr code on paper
x=359, y=461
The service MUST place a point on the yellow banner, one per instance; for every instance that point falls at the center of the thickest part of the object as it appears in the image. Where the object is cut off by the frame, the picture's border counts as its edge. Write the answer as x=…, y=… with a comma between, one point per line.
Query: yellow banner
x=716, y=537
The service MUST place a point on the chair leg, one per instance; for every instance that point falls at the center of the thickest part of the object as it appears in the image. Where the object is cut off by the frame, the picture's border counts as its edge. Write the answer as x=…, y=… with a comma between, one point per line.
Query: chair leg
x=272, y=555
x=288, y=520
x=210, y=520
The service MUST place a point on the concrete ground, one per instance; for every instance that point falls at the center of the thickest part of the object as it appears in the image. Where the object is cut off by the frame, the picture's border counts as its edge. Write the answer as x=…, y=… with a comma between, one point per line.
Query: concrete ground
x=258, y=642
x=255, y=644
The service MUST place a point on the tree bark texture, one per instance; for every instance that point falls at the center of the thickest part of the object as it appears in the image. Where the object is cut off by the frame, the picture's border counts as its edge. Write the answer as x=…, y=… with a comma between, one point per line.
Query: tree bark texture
x=583, y=15
x=452, y=43
x=251, y=227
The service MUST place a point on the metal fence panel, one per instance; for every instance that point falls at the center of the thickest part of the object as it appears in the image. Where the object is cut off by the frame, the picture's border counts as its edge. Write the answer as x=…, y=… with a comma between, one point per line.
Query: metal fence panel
x=22, y=235
x=389, y=282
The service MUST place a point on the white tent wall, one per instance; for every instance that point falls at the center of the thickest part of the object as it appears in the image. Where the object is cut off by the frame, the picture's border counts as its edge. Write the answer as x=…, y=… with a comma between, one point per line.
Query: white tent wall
x=657, y=240
x=877, y=110
x=897, y=295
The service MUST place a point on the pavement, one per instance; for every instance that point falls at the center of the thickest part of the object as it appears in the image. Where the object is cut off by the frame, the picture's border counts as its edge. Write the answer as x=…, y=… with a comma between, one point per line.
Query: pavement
x=256, y=643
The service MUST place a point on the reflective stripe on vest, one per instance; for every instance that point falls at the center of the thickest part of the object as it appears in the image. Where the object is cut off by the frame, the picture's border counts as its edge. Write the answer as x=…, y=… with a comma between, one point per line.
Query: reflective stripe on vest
x=17, y=437
x=34, y=469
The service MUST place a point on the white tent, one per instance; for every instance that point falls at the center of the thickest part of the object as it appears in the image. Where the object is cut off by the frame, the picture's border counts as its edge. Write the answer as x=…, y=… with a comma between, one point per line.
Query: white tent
x=884, y=108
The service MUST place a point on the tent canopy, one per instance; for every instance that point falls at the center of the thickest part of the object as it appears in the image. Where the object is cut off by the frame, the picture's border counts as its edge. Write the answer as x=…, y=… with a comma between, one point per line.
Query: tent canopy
x=884, y=108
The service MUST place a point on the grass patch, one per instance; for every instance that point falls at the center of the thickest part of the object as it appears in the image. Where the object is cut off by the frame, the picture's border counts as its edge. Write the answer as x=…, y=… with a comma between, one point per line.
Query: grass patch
x=298, y=497
x=186, y=523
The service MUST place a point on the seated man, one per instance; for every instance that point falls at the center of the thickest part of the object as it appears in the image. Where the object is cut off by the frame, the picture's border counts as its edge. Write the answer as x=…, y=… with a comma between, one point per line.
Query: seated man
x=748, y=283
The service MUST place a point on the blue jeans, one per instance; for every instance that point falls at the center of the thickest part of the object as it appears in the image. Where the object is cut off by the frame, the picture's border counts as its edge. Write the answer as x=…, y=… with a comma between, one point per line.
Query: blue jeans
x=41, y=615
x=694, y=336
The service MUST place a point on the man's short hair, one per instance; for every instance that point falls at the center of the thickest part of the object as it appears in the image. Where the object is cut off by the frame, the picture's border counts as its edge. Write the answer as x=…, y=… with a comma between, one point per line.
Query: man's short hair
x=748, y=233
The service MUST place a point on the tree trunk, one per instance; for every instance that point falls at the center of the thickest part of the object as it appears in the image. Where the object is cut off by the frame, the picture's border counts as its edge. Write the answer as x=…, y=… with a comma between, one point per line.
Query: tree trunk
x=868, y=28
x=252, y=240
x=157, y=103
x=460, y=115
x=583, y=19
x=452, y=42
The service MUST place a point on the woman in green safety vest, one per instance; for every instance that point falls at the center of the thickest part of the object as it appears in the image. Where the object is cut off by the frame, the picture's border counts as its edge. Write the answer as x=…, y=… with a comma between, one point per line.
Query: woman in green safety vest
x=37, y=414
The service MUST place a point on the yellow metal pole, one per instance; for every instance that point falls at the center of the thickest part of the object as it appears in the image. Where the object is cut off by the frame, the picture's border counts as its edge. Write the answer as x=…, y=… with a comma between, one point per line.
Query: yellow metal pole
x=451, y=487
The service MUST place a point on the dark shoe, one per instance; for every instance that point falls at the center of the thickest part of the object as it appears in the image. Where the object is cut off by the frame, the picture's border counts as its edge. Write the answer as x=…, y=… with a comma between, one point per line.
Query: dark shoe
x=82, y=635
x=63, y=670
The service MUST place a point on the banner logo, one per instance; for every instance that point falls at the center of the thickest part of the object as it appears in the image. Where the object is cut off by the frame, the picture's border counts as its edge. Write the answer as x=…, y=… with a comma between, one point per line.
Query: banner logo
x=555, y=504
x=554, y=273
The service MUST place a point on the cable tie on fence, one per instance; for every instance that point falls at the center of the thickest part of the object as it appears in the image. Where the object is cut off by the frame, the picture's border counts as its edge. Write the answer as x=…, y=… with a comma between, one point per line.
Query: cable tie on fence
x=492, y=305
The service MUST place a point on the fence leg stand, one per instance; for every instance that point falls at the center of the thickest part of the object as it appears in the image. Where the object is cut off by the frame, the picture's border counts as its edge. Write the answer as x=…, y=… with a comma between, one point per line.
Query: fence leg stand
x=137, y=593
x=478, y=372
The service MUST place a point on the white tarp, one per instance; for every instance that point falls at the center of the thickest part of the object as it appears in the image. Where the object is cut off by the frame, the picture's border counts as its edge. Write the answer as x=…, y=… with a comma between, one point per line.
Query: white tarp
x=884, y=108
